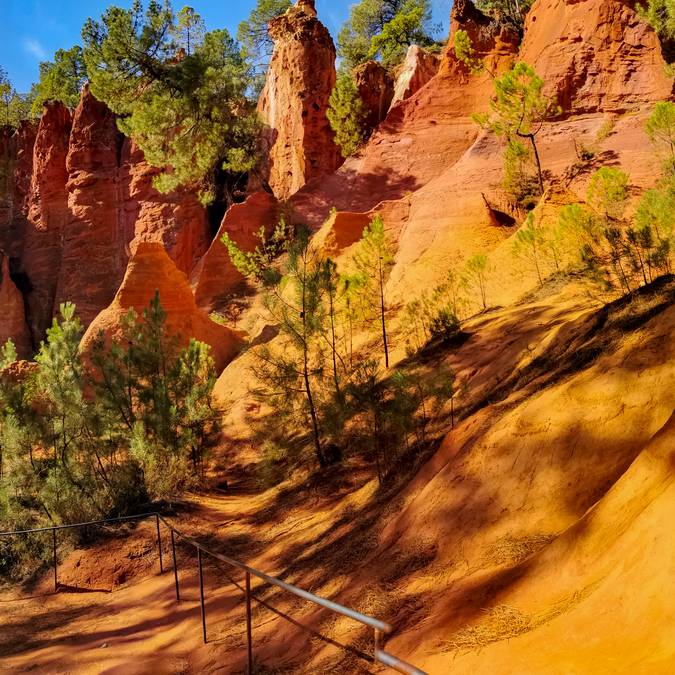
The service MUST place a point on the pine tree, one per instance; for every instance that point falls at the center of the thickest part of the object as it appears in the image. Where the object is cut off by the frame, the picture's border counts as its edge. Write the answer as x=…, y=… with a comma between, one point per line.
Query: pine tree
x=519, y=109
x=374, y=260
x=189, y=30
x=60, y=80
x=347, y=115
x=660, y=128
x=254, y=36
x=189, y=114
x=370, y=19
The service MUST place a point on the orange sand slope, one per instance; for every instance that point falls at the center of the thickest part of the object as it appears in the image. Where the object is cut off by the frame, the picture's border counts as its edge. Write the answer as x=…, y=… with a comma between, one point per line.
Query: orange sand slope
x=536, y=540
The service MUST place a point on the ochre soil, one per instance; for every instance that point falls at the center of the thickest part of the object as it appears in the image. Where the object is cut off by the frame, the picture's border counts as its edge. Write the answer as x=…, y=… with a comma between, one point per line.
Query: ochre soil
x=536, y=538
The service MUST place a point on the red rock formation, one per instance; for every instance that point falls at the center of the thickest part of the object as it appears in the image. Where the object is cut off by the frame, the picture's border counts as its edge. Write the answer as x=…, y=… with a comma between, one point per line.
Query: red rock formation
x=48, y=216
x=376, y=88
x=416, y=70
x=16, y=160
x=93, y=256
x=421, y=136
x=151, y=270
x=215, y=277
x=12, y=314
x=177, y=220
x=595, y=55
x=299, y=142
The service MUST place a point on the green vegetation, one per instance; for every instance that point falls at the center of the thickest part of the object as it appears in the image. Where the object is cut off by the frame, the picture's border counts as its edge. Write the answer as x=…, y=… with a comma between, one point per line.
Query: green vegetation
x=14, y=107
x=384, y=28
x=373, y=261
x=615, y=252
x=310, y=376
x=660, y=14
x=80, y=442
x=518, y=112
x=660, y=129
x=513, y=10
x=60, y=80
x=186, y=109
x=347, y=115
x=253, y=35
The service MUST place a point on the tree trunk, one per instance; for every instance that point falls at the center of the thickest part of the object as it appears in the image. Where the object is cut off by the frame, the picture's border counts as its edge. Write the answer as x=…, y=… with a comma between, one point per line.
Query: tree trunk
x=384, y=323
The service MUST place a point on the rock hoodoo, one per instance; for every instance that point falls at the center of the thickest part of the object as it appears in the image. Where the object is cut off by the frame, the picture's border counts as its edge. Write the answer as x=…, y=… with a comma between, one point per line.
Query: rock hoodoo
x=78, y=199
x=48, y=216
x=151, y=270
x=16, y=166
x=299, y=144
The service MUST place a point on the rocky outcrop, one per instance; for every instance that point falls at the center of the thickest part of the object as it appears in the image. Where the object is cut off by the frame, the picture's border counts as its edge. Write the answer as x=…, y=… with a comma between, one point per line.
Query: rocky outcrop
x=416, y=70
x=215, y=278
x=16, y=162
x=12, y=314
x=376, y=88
x=423, y=135
x=93, y=256
x=595, y=55
x=299, y=143
x=177, y=220
x=151, y=270
x=48, y=216
x=88, y=195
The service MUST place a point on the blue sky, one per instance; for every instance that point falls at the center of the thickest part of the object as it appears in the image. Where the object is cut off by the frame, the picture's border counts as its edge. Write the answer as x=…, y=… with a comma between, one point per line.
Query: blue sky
x=32, y=30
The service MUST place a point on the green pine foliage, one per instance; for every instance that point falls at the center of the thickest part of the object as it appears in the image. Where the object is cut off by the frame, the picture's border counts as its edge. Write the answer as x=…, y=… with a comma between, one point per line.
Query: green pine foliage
x=519, y=109
x=347, y=115
x=660, y=128
x=254, y=38
x=61, y=79
x=84, y=442
x=660, y=14
x=14, y=107
x=186, y=109
x=384, y=28
x=616, y=252
x=374, y=260
x=407, y=27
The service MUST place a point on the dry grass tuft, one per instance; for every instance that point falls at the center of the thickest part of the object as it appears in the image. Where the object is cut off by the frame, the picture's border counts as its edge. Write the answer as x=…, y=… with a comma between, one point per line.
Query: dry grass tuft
x=504, y=622
x=510, y=551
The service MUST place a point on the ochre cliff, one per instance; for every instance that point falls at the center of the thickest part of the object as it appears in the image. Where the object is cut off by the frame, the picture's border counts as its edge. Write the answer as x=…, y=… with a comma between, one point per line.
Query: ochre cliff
x=376, y=89
x=595, y=55
x=299, y=143
x=215, y=278
x=151, y=270
x=416, y=70
x=16, y=167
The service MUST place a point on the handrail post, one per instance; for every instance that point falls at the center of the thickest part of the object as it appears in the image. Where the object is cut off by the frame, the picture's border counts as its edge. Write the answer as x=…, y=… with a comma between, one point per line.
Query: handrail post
x=249, y=638
x=159, y=545
x=175, y=566
x=56, y=578
x=201, y=593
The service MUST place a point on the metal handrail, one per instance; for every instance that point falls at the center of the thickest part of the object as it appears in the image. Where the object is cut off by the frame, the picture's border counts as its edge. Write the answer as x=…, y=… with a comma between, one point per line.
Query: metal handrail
x=379, y=627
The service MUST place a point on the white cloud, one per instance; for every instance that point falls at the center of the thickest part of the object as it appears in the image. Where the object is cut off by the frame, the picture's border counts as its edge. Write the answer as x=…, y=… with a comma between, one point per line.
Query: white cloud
x=35, y=48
